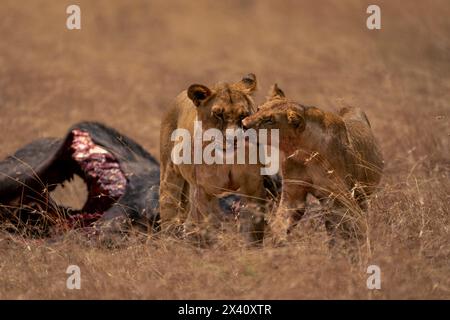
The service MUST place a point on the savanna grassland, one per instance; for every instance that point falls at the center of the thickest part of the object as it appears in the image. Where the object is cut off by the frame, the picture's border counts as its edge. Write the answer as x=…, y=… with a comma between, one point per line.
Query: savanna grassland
x=131, y=58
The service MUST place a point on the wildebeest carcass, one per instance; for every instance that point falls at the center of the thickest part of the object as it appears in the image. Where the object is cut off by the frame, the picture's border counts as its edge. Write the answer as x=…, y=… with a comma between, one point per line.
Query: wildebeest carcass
x=121, y=177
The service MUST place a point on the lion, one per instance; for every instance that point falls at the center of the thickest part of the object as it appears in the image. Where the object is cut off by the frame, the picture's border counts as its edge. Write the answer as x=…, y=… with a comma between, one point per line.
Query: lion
x=333, y=157
x=196, y=188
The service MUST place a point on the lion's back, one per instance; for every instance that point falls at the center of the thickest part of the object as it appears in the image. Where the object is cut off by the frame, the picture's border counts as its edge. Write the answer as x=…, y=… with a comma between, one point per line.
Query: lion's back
x=363, y=145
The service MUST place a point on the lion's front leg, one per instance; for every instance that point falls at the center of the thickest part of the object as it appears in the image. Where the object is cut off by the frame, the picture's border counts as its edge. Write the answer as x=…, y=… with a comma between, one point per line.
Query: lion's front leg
x=253, y=206
x=202, y=221
x=290, y=210
x=171, y=198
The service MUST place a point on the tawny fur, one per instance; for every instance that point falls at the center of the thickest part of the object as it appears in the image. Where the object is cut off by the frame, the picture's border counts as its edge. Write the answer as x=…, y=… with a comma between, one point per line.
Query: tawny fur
x=195, y=188
x=334, y=157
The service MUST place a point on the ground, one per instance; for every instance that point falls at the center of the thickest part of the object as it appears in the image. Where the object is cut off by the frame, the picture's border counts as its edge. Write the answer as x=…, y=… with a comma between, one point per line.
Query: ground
x=129, y=61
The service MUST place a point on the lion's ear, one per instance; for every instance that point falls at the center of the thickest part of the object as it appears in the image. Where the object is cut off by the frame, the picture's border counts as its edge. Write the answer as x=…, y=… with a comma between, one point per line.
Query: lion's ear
x=295, y=119
x=275, y=93
x=248, y=84
x=198, y=93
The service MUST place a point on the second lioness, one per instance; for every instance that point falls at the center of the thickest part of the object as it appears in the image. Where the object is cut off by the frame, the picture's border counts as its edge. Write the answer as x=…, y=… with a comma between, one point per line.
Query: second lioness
x=332, y=156
x=198, y=187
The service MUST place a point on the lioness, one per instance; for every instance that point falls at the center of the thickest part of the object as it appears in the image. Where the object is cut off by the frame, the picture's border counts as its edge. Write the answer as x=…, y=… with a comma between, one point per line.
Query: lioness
x=332, y=156
x=198, y=186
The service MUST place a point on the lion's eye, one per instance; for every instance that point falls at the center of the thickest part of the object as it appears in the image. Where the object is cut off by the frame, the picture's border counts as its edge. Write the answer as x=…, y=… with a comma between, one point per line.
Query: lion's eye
x=268, y=120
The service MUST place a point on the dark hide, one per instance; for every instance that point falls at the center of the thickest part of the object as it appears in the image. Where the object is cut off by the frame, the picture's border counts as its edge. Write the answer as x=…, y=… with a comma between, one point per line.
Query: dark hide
x=34, y=170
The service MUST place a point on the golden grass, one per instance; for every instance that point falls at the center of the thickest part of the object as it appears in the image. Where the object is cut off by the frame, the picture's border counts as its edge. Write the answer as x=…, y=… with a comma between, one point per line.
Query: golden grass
x=130, y=60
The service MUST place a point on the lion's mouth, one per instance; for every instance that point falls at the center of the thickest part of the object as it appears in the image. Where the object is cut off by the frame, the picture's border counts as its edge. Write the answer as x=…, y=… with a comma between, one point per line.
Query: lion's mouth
x=102, y=174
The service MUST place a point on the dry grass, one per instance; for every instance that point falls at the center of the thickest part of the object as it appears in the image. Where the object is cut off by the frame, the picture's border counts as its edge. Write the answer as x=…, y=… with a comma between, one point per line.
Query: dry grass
x=128, y=62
